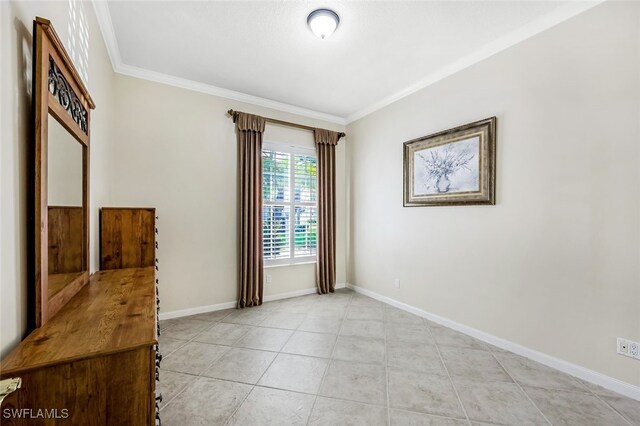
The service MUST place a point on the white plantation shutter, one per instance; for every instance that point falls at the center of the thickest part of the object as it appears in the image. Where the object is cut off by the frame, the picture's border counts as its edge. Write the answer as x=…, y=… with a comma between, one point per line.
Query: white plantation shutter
x=276, y=176
x=305, y=227
x=289, y=210
x=275, y=231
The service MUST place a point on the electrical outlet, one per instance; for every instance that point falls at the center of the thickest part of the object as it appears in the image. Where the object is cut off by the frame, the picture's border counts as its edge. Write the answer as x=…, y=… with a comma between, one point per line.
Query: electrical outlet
x=396, y=283
x=268, y=278
x=628, y=348
x=623, y=346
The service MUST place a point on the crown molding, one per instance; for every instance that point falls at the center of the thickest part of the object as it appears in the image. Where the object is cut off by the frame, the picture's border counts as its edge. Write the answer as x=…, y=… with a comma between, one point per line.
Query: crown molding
x=101, y=9
x=103, y=16
x=225, y=93
x=572, y=9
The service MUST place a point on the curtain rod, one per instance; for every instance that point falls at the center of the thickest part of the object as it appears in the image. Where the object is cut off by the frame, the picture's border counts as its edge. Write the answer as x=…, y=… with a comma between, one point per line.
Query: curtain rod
x=232, y=113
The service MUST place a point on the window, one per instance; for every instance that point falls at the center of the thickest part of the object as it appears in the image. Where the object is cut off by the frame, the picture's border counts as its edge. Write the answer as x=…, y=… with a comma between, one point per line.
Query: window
x=289, y=212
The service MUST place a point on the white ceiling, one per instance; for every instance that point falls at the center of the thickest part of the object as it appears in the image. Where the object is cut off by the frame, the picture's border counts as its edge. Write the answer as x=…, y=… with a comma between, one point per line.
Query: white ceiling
x=263, y=51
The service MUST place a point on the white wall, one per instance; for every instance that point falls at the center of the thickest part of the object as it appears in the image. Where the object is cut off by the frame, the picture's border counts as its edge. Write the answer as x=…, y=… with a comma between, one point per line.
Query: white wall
x=554, y=266
x=176, y=150
x=70, y=19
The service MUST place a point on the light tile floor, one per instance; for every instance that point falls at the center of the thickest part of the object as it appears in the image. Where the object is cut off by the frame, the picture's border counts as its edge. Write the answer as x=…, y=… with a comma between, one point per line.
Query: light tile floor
x=346, y=359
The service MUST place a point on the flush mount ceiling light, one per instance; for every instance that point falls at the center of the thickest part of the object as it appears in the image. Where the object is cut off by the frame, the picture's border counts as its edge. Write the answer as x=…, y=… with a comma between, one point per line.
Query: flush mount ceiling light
x=323, y=22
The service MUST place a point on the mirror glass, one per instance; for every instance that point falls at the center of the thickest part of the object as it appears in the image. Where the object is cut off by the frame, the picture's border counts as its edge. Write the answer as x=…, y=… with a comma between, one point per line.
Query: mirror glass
x=65, y=213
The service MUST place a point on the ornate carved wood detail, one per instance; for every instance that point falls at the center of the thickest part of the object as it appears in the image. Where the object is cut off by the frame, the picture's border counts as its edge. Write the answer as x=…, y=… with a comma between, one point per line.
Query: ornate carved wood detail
x=62, y=90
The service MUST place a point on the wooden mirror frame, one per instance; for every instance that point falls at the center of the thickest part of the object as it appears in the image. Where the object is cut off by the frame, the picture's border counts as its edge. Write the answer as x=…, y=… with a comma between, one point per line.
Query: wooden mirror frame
x=59, y=91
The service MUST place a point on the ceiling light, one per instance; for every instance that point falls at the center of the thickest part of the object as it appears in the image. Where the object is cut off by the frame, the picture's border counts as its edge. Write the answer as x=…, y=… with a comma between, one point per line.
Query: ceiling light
x=323, y=22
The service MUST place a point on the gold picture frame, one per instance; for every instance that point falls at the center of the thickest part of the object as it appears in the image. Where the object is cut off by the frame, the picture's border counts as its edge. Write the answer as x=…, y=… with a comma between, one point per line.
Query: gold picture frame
x=452, y=167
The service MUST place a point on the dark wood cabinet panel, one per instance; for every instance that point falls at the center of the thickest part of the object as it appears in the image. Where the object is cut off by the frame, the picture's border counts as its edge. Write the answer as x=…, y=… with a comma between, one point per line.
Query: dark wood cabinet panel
x=65, y=240
x=105, y=390
x=127, y=238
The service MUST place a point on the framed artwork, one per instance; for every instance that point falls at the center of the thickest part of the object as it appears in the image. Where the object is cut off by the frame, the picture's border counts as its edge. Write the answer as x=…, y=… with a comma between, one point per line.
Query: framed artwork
x=453, y=167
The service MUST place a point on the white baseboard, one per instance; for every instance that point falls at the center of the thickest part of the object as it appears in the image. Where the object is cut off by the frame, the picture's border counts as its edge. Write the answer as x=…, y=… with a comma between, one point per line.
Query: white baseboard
x=197, y=310
x=575, y=370
x=228, y=305
x=279, y=296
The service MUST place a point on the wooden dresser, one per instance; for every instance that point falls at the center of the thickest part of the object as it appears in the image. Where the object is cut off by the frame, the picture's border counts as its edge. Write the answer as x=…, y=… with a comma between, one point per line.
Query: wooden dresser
x=92, y=358
x=94, y=362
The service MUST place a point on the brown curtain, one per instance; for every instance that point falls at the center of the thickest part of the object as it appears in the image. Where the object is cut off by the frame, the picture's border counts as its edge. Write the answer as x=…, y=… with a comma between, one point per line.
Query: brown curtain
x=249, y=129
x=326, y=142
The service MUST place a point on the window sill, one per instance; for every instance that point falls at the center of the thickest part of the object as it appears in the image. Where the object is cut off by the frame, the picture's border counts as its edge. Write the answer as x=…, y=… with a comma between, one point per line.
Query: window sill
x=310, y=262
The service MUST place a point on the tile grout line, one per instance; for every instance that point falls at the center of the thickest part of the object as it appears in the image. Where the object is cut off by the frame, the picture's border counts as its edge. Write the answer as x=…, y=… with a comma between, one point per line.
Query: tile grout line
x=278, y=353
x=253, y=386
x=344, y=317
x=186, y=343
x=519, y=386
x=226, y=422
x=446, y=369
x=252, y=326
x=265, y=370
x=331, y=358
x=328, y=397
x=442, y=416
x=598, y=397
x=587, y=392
x=306, y=315
x=232, y=346
x=608, y=405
